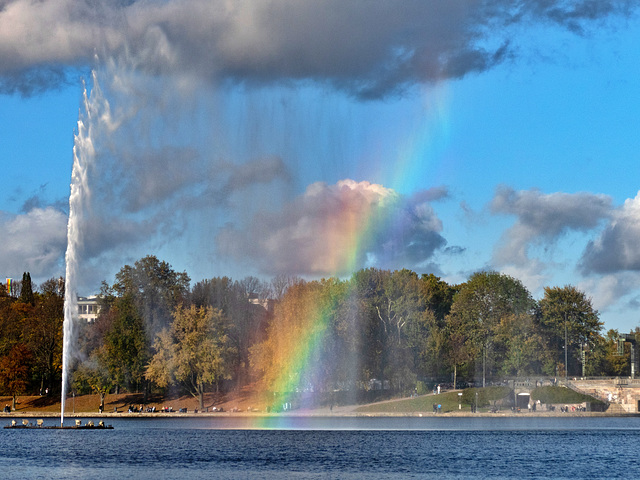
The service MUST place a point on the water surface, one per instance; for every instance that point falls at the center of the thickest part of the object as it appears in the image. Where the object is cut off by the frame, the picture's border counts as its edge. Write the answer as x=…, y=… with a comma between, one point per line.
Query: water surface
x=313, y=448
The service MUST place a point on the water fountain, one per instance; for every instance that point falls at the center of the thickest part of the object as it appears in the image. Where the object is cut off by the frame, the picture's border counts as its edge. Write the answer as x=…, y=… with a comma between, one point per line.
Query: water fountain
x=83, y=151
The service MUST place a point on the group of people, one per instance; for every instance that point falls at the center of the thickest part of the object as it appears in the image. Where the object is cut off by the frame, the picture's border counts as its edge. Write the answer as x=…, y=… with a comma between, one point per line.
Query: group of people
x=579, y=408
x=141, y=409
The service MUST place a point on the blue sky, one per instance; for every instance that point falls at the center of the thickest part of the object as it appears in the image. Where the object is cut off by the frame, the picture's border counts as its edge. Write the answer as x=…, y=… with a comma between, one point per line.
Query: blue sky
x=283, y=137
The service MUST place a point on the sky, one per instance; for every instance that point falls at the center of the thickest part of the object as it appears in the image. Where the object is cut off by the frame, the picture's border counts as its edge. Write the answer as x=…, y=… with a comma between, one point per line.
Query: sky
x=259, y=138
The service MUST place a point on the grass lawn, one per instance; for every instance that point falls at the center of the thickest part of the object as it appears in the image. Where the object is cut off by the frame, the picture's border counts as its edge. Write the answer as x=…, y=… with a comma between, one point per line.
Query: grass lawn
x=449, y=400
x=424, y=403
x=556, y=395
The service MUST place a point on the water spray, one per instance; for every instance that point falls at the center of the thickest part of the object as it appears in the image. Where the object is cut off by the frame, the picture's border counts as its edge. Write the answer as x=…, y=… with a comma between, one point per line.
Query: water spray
x=83, y=152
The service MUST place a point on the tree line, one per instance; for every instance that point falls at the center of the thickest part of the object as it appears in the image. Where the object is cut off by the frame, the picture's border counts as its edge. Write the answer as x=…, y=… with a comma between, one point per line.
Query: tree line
x=378, y=328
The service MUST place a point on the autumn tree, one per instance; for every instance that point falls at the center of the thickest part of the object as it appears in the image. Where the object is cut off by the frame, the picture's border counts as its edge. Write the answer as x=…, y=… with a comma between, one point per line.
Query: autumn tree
x=280, y=284
x=14, y=371
x=12, y=314
x=43, y=335
x=277, y=359
x=192, y=352
x=303, y=349
x=246, y=317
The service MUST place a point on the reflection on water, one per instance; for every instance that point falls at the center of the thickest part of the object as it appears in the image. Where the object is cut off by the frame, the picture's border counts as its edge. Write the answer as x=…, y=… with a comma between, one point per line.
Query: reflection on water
x=292, y=422
x=305, y=448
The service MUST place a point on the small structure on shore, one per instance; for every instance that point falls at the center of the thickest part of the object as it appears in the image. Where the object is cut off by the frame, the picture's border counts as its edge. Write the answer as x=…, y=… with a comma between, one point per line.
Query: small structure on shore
x=39, y=425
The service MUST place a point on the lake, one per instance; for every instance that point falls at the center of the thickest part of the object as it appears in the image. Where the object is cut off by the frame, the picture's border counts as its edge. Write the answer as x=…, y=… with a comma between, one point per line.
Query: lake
x=318, y=448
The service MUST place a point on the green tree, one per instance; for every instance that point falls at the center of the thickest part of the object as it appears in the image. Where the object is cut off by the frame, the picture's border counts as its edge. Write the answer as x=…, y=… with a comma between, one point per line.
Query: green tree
x=193, y=352
x=390, y=308
x=437, y=295
x=479, y=307
x=365, y=290
x=455, y=344
x=603, y=358
x=570, y=320
x=125, y=346
x=356, y=345
x=525, y=348
x=433, y=337
x=26, y=292
x=93, y=375
x=400, y=310
x=157, y=290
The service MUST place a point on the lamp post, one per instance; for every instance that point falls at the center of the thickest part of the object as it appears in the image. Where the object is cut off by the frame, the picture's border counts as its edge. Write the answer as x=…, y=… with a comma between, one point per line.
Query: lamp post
x=566, y=366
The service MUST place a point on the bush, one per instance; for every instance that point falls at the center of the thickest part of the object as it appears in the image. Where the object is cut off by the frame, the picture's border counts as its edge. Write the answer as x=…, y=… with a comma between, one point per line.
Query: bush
x=421, y=388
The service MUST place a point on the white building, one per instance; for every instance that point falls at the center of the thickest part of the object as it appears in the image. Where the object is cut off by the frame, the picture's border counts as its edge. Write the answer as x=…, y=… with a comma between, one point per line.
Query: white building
x=88, y=308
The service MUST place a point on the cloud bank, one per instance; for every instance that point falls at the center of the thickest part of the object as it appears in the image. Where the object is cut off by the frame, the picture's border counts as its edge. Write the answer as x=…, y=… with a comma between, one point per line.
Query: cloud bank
x=367, y=48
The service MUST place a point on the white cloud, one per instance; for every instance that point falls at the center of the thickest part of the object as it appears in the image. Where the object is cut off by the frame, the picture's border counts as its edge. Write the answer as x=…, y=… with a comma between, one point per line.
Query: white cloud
x=337, y=229
x=607, y=290
x=543, y=218
x=617, y=248
x=33, y=242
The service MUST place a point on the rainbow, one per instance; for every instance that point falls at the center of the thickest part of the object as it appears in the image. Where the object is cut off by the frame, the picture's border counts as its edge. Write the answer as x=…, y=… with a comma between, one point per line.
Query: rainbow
x=295, y=357
x=292, y=355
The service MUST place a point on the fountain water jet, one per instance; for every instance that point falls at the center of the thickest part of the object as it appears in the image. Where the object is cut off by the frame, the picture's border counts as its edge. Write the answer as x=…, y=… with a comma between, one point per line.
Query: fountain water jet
x=83, y=153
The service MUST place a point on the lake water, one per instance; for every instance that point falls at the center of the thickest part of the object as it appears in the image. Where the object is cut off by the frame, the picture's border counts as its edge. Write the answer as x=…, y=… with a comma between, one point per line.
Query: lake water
x=319, y=448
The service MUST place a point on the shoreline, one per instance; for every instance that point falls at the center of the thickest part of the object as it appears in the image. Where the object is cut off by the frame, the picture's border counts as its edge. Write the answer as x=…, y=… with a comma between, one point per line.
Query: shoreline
x=244, y=406
x=316, y=414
